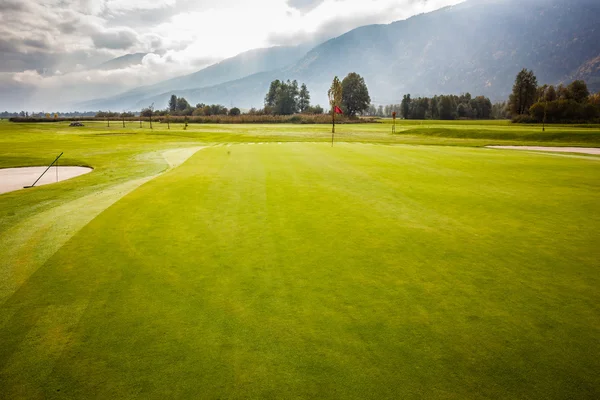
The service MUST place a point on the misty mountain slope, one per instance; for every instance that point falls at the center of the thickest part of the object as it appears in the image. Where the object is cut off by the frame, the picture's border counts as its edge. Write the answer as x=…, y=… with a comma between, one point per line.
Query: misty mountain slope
x=122, y=62
x=242, y=65
x=478, y=46
x=246, y=92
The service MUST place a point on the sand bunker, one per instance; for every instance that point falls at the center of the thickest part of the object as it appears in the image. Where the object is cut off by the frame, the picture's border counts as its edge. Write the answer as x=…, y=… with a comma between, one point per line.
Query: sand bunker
x=580, y=150
x=15, y=178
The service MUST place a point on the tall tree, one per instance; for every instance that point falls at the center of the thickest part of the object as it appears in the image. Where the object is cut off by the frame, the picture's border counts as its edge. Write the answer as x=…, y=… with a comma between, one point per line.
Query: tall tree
x=334, y=93
x=355, y=94
x=550, y=94
x=272, y=93
x=286, y=98
x=446, y=107
x=182, y=105
x=405, y=106
x=304, y=98
x=173, y=104
x=578, y=91
x=524, y=92
x=562, y=92
x=283, y=97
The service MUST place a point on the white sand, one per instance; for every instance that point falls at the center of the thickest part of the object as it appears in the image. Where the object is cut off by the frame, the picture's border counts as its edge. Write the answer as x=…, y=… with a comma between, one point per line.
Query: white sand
x=580, y=150
x=15, y=178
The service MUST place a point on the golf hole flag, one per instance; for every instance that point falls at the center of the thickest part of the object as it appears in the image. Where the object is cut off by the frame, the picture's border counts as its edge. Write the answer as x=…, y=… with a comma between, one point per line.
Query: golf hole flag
x=338, y=110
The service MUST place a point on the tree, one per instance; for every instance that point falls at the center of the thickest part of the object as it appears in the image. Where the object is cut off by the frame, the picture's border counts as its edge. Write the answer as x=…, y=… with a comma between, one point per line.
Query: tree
x=304, y=98
x=147, y=112
x=372, y=110
x=524, y=92
x=234, y=112
x=173, y=104
x=551, y=94
x=272, y=93
x=314, y=110
x=334, y=93
x=562, y=92
x=500, y=110
x=405, y=106
x=461, y=110
x=182, y=105
x=355, y=94
x=283, y=98
x=286, y=98
x=433, y=108
x=482, y=107
x=446, y=107
x=578, y=91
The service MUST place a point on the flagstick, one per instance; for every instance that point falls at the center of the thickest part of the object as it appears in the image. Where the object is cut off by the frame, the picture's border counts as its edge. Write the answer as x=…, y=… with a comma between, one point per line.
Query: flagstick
x=333, y=127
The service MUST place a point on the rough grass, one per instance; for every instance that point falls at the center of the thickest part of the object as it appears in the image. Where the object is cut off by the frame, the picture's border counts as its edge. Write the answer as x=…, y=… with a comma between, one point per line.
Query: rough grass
x=297, y=269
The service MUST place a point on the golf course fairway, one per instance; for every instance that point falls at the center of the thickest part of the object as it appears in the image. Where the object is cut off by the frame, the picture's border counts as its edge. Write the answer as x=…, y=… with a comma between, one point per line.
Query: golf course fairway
x=301, y=270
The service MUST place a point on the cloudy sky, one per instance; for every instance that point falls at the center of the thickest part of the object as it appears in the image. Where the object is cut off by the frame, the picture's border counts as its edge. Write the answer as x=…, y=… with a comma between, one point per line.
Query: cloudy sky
x=53, y=45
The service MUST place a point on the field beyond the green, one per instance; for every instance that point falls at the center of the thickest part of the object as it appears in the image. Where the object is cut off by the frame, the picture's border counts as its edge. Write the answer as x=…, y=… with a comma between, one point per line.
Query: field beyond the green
x=260, y=262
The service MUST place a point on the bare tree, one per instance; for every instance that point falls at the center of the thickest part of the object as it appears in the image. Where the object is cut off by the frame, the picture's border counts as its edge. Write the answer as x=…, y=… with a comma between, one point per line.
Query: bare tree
x=335, y=98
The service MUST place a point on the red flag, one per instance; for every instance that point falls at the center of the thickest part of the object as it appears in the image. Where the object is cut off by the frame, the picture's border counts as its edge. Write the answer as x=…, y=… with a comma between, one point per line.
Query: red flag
x=338, y=110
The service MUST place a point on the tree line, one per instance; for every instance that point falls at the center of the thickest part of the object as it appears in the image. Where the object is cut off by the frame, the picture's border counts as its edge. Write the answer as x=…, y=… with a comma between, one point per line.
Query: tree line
x=179, y=106
x=43, y=114
x=442, y=107
x=530, y=102
x=286, y=97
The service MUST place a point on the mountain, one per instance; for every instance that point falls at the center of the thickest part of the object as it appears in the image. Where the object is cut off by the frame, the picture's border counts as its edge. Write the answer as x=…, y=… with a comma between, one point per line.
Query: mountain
x=477, y=46
x=122, y=62
x=242, y=65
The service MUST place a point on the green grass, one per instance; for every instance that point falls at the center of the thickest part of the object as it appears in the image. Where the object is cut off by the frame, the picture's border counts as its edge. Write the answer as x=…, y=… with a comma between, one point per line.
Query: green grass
x=297, y=270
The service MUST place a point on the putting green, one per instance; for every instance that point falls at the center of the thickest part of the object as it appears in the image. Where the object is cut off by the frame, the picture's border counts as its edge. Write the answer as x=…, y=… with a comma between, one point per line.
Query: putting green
x=305, y=271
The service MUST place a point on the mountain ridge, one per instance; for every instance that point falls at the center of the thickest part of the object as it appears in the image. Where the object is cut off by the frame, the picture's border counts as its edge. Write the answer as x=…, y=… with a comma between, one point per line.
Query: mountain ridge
x=477, y=46
x=230, y=69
